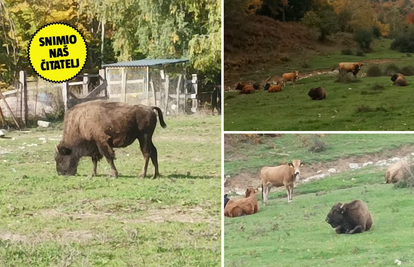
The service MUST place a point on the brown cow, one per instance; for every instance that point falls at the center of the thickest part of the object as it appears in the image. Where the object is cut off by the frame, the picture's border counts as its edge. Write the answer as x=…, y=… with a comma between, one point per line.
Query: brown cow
x=397, y=172
x=291, y=76
x=94, y=128
x=353, y=67
x=283, y=175
x=273, y=88
x=317, y=93
x=350, y=218
x=399, y=79
x=242, y=206
x=245, y=89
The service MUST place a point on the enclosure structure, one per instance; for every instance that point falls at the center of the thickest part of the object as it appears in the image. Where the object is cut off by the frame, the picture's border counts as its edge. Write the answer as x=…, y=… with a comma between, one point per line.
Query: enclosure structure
x=157, y=82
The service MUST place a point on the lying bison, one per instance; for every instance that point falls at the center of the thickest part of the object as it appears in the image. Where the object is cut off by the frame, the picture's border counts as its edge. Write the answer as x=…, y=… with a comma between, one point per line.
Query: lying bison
x=350, y=218
x=399, y=79
x=398, y=171
x=94, y=128
x=317, y=93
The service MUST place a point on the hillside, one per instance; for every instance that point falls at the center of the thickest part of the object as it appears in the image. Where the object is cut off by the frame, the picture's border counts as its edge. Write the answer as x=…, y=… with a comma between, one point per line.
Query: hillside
x=261, y=44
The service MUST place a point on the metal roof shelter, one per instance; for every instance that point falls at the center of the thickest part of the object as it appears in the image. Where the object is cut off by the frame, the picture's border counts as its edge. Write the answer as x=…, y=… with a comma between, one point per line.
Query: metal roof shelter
x=147, y=82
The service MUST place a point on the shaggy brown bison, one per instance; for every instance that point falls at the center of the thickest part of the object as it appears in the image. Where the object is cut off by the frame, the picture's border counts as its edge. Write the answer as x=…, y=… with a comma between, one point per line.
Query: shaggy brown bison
x=94, y=128
x=397, y=172
x=350, y=218
x=399, y=79
x=317, y=93
x=283, y=175
x=242, y=206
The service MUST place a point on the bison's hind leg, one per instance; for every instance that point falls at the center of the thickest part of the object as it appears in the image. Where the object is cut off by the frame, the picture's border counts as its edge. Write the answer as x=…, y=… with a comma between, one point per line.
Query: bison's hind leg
x=154, y=159
x=357, y=229
x=95, y=158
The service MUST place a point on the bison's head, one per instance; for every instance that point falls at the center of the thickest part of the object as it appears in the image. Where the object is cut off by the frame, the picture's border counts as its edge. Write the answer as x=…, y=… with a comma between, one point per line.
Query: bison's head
x=336, y=215
x=66, y=161
x=312, y=92
x=394, y=77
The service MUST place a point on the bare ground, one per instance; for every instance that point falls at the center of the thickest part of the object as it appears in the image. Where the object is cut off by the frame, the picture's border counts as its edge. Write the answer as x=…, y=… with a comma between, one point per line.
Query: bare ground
x=243, y=180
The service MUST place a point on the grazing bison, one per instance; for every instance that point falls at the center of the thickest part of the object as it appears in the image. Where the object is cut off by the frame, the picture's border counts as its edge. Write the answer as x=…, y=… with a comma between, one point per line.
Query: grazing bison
x=292, y=76
x=242, y=206
x=350, y=218
x=317, y=93
x=397, y=172
x=353, y=67
x=245, y=89
x=283, y=175
x=399, y=79
x=94, y=128
x=273, y=88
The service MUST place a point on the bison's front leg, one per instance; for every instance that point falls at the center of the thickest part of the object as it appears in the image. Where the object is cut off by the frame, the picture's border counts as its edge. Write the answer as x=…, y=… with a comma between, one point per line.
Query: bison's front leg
x=356, y=230
x=106, y=150
x=340, y=230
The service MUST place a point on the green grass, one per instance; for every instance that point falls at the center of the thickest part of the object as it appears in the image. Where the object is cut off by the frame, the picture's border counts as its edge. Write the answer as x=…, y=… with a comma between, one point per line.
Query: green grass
x=174, y=220
x=360, y=108
x=273, y=151
x=292, y=109
x=297, y=234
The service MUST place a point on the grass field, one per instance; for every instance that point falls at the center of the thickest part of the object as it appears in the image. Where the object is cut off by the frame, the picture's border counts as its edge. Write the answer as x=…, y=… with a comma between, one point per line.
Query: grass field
x=295, y=234
x=355, y=106
x=174, y=220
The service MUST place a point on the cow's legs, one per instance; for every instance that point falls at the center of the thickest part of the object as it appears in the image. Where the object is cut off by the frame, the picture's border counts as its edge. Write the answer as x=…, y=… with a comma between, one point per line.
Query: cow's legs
x=288, y=193
x=106, y=150
x=154, y=159
x=291, y=192
x=264, y=193
x=146, y=145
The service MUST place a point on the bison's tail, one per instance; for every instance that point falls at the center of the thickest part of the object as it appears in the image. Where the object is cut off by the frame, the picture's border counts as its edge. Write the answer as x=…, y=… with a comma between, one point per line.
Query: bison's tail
x=161, y=118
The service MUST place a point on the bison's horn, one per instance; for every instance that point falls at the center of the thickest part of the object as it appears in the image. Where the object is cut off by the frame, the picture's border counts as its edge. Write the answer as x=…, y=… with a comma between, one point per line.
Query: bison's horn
x=342, y=206
x=56, y=149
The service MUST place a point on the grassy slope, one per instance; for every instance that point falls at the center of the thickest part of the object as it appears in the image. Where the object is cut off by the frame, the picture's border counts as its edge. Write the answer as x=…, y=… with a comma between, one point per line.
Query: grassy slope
x=296, y=234
x=292, y=109
x=173, y=220
x=274, y=151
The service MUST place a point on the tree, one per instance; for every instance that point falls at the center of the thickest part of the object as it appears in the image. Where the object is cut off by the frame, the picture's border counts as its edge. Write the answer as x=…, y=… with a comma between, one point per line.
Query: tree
x=326, y=21
x=364, y=39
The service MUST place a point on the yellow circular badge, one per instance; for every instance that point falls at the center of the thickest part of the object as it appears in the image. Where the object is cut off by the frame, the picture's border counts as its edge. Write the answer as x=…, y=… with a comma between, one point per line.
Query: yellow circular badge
x=57, y=52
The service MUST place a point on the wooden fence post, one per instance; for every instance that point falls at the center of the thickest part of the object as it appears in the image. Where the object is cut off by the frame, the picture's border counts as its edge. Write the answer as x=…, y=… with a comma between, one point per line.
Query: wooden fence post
x=23, y=90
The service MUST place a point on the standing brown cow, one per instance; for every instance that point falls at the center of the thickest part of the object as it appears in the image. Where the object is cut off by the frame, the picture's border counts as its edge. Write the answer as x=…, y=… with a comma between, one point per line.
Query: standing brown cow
x=94, y=128
x=283, y=175
x=291, y=76
x=353, y=67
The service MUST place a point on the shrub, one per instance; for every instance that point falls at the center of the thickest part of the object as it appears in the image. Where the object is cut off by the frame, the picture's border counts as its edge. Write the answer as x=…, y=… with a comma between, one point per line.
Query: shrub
x=409, y=55
x=364, y=39
x=360, y=53
x=407, y=71
x=376, y=31
x=377, y=87
x=317, y=145
x=391, y=69
x=403, y=43
x=374, y=71
x=344, y=77
x=346, y=52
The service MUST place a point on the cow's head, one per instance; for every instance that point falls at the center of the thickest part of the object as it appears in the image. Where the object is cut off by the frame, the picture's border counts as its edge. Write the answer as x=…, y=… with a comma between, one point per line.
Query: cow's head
x=66, y=161
x=297, y=73
x=295, y=165
x=336, y=215
x=250, y=191
x=267, y=86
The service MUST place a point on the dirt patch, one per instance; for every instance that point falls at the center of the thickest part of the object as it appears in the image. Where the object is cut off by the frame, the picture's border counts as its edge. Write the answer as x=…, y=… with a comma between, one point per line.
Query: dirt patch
x=62, y=236
x=241, y=181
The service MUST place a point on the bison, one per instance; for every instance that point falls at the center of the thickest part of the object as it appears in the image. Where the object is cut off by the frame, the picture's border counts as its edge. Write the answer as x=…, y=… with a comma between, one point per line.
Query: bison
x=226, y=200
x=397, y=172
x=353, y=67
x=317, y=93
x=291, y=76
x=350, y=218
x=94, y=128
x=283, y=175
x=243, y=206
x=399, y=79
x=273, y=88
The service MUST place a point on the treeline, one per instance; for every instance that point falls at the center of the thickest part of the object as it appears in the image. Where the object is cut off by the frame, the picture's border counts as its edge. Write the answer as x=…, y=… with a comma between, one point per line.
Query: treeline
x=377, y=18
x=117, y=31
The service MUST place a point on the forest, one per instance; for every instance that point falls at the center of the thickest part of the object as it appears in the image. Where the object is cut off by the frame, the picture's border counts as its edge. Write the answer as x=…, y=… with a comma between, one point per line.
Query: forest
x=116, y=31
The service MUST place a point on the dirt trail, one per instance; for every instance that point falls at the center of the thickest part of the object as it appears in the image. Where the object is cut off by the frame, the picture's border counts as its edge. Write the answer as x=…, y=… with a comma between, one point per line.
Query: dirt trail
x=241, y=181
